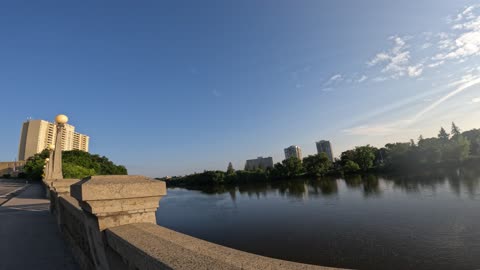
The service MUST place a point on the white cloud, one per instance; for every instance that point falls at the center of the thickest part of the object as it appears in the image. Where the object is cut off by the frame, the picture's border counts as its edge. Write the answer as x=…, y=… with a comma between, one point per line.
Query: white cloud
x=415, y=71
x=382, y=129
x=426, y=45
x=461, y=85
x=396, y=62
x=464, y=44
x=476, y=100
x=375, y=130
x=362, y=79
x=334, y=80
x=336, y=77
x=380, y=79
x=436, y=64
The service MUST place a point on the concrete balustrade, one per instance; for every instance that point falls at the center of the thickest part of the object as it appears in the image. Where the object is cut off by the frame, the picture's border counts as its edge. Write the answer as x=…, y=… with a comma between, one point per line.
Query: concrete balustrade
x=109, y=223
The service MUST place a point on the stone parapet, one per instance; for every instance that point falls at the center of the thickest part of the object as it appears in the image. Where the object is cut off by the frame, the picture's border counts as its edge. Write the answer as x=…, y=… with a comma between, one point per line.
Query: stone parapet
x=149, y=246
x=120, y=199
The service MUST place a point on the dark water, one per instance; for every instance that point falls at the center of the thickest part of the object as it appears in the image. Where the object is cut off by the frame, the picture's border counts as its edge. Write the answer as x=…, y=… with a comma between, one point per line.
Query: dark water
x=369, y=222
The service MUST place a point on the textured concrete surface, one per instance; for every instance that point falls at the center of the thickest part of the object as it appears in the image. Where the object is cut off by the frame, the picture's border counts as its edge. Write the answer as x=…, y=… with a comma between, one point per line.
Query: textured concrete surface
x=29, y=236
x=149, y=246
x=119, y=199
x=110, y=187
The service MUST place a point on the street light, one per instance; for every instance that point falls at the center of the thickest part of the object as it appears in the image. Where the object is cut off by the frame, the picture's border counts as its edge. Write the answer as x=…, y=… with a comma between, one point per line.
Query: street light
x=57, y=173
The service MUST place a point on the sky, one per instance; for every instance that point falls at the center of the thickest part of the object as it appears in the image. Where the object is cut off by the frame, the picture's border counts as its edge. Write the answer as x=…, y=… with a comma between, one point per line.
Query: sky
x=176, y=87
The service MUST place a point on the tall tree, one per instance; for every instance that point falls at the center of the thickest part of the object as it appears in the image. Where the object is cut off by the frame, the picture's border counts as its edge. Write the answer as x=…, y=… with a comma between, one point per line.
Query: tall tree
x=230, y=169
x=364, y=156
x=293, y=166
x=317, y=165
x=455, y=130
x=443, y=135
x=420, y=138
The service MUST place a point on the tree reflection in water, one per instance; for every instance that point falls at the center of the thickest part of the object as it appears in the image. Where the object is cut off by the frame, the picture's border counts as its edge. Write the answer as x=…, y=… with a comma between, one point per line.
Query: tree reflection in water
x=460, y=180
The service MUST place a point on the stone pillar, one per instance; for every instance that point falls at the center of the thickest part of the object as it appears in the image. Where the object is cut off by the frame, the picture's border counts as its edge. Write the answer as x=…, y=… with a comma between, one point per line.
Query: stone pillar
x=59, y=188
x=115, y=200
x=49, y=170
x=57, y=172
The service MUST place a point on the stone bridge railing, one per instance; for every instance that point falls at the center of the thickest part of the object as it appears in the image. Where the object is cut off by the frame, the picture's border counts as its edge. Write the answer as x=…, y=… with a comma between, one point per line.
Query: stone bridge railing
x=109, y=223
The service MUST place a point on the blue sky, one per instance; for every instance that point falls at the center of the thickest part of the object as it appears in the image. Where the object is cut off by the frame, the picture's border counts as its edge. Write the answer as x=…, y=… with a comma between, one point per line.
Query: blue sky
x=174, y=87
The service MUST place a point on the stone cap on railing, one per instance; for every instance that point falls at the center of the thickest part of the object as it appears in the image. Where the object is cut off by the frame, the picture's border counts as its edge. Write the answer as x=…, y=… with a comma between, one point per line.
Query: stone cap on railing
x=149, y=246
x=62, y=186
x=119, y=199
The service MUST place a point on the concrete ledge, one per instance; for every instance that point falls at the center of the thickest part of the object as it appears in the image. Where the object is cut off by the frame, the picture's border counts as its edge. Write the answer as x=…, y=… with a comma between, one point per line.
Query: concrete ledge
x=111, y=187
x=149, y=246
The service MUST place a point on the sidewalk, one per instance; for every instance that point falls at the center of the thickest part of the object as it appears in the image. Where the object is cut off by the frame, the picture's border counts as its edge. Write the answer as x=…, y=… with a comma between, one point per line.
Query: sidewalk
x=29, y=236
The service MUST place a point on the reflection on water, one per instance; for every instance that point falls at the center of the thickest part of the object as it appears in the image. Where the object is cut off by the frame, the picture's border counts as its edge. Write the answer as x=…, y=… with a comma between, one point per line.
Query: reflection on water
x=429, y=221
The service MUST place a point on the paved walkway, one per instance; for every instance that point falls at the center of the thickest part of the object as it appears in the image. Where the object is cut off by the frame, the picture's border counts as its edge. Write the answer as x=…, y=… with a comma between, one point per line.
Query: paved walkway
x=7, y=185
x=29, y=236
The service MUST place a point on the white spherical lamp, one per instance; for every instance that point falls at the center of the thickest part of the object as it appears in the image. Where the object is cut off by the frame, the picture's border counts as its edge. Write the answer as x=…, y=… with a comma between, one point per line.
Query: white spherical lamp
x=51, y=147
x=61, y=119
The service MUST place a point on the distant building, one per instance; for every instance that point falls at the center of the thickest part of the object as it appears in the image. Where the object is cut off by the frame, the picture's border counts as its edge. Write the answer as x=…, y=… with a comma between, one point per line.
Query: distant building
x=260, y=162
x=325, y=147
x=38, y=134
x=11, y=167
x=293, y=151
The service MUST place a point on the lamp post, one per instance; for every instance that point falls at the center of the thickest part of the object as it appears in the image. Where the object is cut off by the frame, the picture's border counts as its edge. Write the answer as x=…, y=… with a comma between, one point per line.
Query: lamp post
x=45, y=169
x=57, y=173
x=49, y=160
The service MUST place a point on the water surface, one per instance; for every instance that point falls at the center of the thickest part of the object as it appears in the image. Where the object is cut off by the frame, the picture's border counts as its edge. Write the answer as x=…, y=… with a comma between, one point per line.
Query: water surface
x=361, y=222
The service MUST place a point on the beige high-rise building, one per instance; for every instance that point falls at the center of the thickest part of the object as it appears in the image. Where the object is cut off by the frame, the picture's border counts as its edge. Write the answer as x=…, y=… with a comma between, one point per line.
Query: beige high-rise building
x=293, y=151
x=38, y=134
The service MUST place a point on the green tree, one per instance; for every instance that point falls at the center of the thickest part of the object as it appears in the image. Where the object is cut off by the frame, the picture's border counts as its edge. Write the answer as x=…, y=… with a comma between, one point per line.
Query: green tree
x=76, y=171
x=400, y=154
x=317, y=165
x=443, y=135
x=474, y=137
x=293, y=167
x=75, y=164
x=230, y=169
x=364, y=156
x=278, y=170
x=430, y=150
x=34, y=166
x=458, y=149
x=101, y=164
x=351, y=167
x=455, y=130
x=346, y=156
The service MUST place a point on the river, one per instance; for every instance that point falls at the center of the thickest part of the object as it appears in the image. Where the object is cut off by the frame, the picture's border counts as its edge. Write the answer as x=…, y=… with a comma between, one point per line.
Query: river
x=430, y=221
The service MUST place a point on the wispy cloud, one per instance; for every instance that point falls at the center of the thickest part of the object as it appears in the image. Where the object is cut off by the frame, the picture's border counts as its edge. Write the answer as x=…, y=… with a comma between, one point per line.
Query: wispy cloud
x=382, y=129
x=362, y=79
x=336, y=78
x=415, y=71
x=466, y=41
x=396, y=61
x=461, y=85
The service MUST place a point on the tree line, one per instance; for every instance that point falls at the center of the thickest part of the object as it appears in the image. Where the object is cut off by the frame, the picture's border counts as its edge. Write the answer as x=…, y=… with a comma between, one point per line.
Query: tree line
x=76, y=164
x=446, y=149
